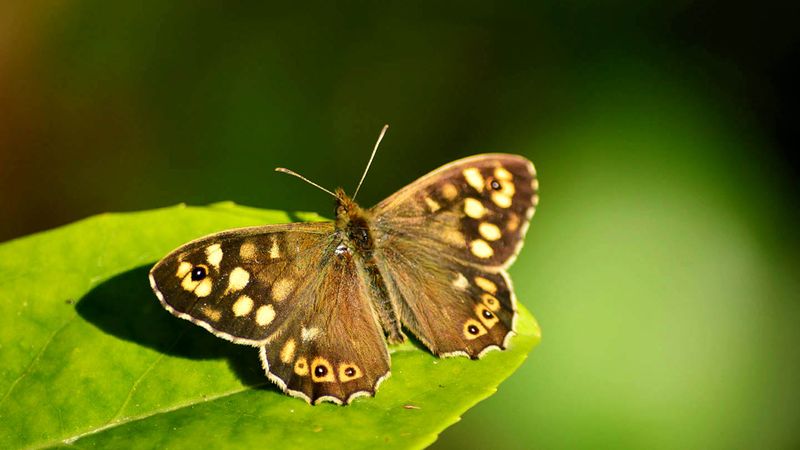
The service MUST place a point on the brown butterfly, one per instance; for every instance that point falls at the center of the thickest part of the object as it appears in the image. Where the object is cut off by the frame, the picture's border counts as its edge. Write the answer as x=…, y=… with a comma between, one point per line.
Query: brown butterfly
x=321, y=299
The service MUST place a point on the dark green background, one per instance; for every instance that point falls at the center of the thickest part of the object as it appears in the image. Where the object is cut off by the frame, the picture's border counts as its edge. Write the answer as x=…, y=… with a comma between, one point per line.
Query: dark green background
x=662, y=263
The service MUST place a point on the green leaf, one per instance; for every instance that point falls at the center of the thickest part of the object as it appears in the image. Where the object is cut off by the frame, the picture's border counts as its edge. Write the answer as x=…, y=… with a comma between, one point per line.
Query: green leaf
x=90, y=359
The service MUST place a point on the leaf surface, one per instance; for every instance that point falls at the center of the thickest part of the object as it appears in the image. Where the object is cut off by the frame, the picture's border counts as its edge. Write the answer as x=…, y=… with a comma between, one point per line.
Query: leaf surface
x=90, y=359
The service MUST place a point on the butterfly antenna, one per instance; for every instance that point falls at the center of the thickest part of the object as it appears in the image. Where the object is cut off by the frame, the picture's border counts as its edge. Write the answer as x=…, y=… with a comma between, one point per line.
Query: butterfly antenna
x=374, y=150
x=293, y=173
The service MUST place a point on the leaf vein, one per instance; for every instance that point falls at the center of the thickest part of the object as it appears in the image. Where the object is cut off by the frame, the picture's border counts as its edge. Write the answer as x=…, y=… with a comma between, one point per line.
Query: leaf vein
x=35, y=359
x=71, y=440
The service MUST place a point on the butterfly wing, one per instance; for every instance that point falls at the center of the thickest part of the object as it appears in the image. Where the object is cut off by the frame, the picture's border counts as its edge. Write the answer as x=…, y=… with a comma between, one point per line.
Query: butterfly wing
x=477, y=209
x=243, y=278
x=445, y=241
x=282, y=288
x=333, y=349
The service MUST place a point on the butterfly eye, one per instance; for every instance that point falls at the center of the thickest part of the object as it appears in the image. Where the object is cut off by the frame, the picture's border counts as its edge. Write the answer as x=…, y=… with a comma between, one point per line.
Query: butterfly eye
x=199, y=273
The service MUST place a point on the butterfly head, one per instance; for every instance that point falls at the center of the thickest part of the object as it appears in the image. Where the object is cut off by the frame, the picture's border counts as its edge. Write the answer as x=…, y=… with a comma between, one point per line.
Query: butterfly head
x=346, y=209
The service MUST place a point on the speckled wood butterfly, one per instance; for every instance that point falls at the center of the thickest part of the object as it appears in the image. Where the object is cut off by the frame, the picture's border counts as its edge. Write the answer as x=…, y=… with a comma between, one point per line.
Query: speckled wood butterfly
x=320, y=300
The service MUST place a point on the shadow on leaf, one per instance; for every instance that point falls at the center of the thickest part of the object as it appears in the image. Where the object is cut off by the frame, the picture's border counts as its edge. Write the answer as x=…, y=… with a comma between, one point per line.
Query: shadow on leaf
x=125, y=306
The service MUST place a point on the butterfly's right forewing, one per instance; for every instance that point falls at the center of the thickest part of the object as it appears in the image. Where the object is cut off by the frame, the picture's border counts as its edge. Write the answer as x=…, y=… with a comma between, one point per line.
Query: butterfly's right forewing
x=475, y=209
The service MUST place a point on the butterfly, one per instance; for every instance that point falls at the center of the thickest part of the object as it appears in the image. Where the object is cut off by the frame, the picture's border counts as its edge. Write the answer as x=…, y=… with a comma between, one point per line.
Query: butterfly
x=321, y=300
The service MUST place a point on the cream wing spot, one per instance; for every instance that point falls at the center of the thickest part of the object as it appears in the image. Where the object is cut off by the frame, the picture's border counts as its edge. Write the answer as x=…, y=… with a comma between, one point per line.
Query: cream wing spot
x=183, y=269
x=238, y=279
x=449, y=191
x=188, y=284
x=247, y=251
x=214, y=254
x=274, y=250
x=308, y=334
x=287, y=352
x=507, y=188
x=489, y=231
x=454, y=238
x=460, y=282
x=204, y=288
x=486, y=284
x=503, y=174
x=211, y=313
x=432, y=204
x=474, y=208
x=265, y=315
x=501, y=200
x=481, y=249
x=281, y=289
x=242, y=306
x=474, y=178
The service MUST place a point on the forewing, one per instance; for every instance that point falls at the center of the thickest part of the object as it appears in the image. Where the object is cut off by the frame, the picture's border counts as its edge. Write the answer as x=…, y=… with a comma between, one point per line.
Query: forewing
x=475, y=209
x=252, y=277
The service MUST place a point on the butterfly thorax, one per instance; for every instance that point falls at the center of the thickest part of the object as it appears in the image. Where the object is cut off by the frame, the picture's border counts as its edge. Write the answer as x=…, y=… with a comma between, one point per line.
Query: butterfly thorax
x=352, y=222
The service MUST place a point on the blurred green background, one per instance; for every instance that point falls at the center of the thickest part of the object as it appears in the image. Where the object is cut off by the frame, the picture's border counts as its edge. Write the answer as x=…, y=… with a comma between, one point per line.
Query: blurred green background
x=662, y=262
